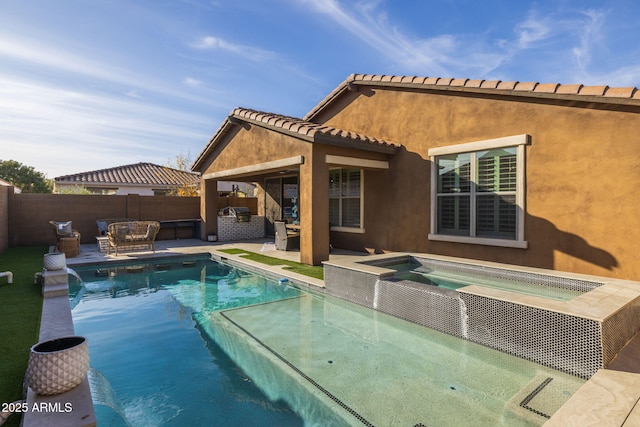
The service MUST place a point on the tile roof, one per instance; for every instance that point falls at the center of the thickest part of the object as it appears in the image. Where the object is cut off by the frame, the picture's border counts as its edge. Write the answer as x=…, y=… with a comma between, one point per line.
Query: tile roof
x=296, y=127
x=604, y=94
x=310, y=131
x=139, y=173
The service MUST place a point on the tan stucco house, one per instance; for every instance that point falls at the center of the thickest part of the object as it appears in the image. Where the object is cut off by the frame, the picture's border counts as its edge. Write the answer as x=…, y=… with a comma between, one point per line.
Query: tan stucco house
x=540, y=175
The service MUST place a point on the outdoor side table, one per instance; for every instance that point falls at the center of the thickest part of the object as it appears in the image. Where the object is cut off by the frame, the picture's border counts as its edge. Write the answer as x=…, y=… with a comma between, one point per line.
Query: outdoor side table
x=103, y=244
x=69, y=245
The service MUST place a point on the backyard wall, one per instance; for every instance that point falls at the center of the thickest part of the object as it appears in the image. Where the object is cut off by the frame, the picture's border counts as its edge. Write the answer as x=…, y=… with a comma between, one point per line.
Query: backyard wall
x=29, y=214
x=5, y=191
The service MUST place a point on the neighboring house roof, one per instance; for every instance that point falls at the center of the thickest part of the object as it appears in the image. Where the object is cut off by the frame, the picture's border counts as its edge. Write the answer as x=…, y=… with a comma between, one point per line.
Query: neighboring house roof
x=601, y=94
x=299, y=128
x=135, y=174
x=16, y=189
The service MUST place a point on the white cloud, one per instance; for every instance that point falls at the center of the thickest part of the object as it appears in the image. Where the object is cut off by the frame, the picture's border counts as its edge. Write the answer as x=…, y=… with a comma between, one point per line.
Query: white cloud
x=559, y=44
x=190, y=81
x=531, y=31
x=372, y=26
x=48, y=57
x=103, y=131
x=624, y=76
x=590, y=32
x=247, y=52
x=133, y=94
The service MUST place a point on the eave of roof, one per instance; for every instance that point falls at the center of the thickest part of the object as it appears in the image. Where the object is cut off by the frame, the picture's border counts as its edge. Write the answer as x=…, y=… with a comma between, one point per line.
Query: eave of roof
x=297, y=128
x=574, y=92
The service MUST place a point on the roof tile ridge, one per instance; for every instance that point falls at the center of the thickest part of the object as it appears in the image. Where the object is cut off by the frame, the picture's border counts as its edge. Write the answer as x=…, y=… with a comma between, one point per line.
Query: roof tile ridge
x=628, y=92
x=309, y=128
x=264, y=115
x=593, y=90
x=547, y=87
x=526, y=86
x=621, y=92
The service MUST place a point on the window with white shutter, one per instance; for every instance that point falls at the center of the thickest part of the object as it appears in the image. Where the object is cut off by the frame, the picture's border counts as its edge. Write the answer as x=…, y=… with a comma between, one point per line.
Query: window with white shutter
x=478, y=192
x=345, y=198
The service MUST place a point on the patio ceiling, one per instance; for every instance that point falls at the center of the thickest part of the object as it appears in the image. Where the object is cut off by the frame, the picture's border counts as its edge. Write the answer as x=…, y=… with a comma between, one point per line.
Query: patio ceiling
x=252, y=172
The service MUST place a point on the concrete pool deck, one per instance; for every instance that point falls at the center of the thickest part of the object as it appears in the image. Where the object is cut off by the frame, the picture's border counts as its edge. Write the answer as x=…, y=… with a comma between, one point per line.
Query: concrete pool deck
x=610, y=398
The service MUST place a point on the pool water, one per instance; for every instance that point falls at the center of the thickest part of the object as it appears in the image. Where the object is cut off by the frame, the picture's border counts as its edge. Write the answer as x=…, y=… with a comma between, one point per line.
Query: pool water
x=208, y=344
x=160, y=368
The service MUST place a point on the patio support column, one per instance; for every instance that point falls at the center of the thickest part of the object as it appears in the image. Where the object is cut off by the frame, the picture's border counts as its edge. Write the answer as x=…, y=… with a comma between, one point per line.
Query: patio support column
x=208, y=207
x=314, y=210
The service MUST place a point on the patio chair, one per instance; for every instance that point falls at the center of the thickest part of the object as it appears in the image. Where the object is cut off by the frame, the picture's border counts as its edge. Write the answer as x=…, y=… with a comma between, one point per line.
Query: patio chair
x=67, y=239
x=286, y=240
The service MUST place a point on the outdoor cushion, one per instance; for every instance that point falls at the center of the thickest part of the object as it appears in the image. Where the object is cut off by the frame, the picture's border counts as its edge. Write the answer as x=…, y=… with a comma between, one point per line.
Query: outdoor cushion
x=64, y=228
x=102, y=227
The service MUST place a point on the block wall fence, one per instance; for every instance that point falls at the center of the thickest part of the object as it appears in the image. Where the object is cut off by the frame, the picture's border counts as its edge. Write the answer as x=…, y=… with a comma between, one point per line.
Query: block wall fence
x=4, y=216
x=24, y=218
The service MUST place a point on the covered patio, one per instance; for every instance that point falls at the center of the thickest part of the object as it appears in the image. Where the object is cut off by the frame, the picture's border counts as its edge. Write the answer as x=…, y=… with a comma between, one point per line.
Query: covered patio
x=306, y=173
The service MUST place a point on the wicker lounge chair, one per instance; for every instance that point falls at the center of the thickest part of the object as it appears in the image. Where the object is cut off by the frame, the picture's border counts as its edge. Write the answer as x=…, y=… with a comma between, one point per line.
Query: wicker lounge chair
x=132, y=234
x=67, y=239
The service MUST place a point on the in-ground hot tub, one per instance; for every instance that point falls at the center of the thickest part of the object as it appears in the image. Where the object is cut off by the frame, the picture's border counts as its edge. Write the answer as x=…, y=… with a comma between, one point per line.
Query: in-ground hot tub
x=574, y=323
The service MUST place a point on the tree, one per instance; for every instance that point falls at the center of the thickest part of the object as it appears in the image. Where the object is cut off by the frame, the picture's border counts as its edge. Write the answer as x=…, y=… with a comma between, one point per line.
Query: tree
x=26, y=178
x=76, y=189
x=181, y=162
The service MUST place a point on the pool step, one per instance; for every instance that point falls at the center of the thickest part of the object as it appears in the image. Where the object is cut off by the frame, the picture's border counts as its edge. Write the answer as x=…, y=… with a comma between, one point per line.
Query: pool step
x=542, y=397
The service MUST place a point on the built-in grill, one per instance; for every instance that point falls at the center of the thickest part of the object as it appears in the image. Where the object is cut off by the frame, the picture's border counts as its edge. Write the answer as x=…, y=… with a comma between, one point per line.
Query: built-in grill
x=241, y=213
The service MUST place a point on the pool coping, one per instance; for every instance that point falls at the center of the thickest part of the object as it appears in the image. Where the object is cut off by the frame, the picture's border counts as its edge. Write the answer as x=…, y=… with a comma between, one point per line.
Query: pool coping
x=56, y=321
x=608, y=398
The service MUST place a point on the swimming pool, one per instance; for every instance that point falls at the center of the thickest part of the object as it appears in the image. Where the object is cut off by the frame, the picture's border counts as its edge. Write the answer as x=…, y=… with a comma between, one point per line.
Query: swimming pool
x=196, y=342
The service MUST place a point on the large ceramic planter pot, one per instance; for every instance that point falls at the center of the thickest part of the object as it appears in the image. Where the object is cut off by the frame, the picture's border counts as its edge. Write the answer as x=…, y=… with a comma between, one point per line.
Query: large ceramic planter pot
x=54, y=261
x=58, y=365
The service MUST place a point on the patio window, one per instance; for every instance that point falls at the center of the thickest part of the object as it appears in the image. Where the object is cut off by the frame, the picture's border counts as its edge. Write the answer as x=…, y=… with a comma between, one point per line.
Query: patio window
x=345, y=198
x=478, y=192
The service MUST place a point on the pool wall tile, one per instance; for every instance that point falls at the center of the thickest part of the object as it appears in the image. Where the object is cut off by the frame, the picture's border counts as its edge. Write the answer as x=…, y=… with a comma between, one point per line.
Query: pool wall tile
x=351, y=285
x=437, y=308
x=568, y=343
x=617, y=330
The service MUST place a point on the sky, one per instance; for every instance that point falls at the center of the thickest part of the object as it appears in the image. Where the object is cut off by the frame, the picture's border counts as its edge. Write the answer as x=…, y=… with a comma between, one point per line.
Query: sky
x=94, y=84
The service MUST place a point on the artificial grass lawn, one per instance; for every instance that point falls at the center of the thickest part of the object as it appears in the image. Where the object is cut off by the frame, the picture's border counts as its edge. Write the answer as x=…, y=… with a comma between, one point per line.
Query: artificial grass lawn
x=20, y=310
x=317, y=272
